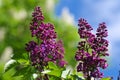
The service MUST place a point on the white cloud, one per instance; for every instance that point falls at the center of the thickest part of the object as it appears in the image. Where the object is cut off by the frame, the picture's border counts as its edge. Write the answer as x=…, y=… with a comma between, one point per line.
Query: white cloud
x=114, y=31
x=67, y=17
x=103, y=9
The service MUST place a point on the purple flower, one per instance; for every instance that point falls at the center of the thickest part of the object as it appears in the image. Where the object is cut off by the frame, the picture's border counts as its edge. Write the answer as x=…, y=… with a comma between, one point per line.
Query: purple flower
x=37, y=19
x=97, y=73
x=62, y=63
x=91, y=50
x=84, y=29
x=102, y=31
x=30, y=46
x=47, y=49
x=46, y=31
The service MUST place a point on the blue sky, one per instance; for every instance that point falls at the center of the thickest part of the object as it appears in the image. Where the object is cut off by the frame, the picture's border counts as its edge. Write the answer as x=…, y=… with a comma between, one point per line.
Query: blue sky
x=97, y=11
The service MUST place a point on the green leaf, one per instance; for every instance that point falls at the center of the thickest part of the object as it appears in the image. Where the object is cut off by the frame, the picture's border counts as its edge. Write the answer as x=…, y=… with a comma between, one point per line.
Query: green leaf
x=21, y=71
x=22, y=59
x=45, y=71
x=26, y=72
x=20, y=56
x=56, y=73
x=76, y=77
x=52, y=66
x=27, y=77
x=107, y=78
x=54, y=70
x=25, y=56
x=80, y=74
x=10, y=64
x=54, y=78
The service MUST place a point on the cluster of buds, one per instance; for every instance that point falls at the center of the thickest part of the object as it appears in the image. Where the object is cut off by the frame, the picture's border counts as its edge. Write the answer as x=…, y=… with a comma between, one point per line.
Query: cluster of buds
x=46, y=49
x=91, y=50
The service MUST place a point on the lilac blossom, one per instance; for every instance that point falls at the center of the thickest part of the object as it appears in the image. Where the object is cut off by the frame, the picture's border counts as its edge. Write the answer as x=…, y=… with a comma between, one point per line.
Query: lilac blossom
x=91, y=50
x=37, y=19
x=47, y=49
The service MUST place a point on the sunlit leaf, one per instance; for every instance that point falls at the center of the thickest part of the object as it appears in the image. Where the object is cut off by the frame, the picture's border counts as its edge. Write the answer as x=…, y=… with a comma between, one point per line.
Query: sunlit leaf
x=10, y=64
x=56, y=73
x=52, y=66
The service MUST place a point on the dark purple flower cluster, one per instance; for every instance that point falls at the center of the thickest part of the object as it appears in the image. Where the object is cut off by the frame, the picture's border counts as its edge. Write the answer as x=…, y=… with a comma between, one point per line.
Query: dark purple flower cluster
x=36, y=21
x=47, y=49
x=91, y=50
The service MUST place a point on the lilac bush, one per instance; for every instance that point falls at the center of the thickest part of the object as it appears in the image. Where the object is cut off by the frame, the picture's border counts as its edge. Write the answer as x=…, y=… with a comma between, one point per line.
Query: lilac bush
x=46, y=54
x=47, y=48
x=91, y=50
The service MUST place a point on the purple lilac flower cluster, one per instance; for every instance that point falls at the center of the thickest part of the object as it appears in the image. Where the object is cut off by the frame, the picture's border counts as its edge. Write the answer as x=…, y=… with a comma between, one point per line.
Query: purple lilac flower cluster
x=91, y=50
x=47, y=49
